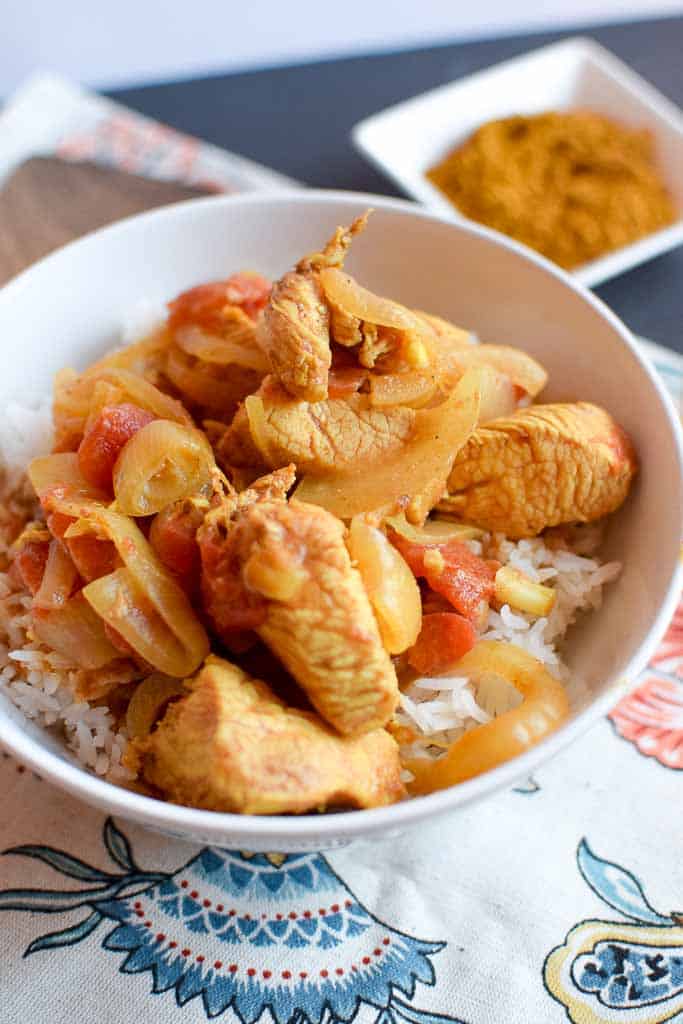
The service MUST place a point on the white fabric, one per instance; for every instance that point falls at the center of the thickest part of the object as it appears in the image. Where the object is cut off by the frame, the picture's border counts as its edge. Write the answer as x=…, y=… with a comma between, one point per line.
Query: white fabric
x=498, y=883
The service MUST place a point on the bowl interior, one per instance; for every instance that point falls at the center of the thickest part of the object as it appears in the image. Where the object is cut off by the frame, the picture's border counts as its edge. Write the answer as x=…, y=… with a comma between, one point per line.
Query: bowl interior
x=69, y=308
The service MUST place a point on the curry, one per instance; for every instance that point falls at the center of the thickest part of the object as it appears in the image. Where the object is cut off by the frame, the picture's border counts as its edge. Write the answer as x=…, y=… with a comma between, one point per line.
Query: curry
x=269, y=525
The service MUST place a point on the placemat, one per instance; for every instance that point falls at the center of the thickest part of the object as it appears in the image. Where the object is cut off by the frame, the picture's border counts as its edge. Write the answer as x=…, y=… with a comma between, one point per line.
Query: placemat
x=47, y=202
x=559, y=899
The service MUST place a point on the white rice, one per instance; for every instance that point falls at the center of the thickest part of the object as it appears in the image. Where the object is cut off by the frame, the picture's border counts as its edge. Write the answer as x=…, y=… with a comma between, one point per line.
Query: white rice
x=26, y=432
x=40, y=682
x=440, y=710
x=436, y=711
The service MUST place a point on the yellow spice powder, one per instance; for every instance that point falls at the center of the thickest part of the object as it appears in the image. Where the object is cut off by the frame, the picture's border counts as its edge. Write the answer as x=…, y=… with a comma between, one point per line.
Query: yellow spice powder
x=573, y=186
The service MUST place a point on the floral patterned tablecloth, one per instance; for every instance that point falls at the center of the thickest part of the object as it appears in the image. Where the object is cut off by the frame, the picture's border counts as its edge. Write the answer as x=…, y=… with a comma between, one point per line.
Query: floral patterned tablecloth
x=562, y=898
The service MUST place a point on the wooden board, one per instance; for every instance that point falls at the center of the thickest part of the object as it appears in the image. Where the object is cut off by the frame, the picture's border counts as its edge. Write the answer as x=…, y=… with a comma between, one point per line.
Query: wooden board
x=47, y=202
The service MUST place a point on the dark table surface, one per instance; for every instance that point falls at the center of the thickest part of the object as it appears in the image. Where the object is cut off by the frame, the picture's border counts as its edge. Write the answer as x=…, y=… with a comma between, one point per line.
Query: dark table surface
x=297, y=119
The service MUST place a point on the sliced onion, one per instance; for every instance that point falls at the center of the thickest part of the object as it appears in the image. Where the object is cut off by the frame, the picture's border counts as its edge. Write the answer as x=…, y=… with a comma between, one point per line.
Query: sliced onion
x=147, y=396
x=162, y=463
x=413, y=388
x=59, y=469
x=543, y=709
x=417, y=389
x=75, y=631
x=111, y=381
x=149, y=702
x=142, y=358
x=390, y=585
x=445, y=364
x=72, y=395
x=520, y=368
x=419, y=468
x=451, y=356
x=345, y=381
x=212, y=387
x=434, y=531
x=162, y=625
x=498, y=395
x=59, y=579
x=258, y=424
x=125, y=606
x=60, y=485
x=239, y=348
x=139, y=556
x=458, y=337
x=343, y=291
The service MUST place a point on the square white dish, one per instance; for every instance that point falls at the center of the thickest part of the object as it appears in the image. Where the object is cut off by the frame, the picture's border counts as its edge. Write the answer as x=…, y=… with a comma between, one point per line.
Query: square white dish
x=405, y=140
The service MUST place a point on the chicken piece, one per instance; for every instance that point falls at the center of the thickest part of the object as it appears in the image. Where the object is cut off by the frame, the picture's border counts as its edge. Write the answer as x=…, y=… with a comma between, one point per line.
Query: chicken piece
x=295, y=331
x=336, y=248
x=233, y=610
x=274, y=429
x=271, y=487
x=377, y=342
x=236, y=447
x=232, y=745
x=296, y=335
x=320, y=623
x=306, y=602
x=371, y=341
x=542, y=466
x=456, y=336
x=345, y=329
x=230, y=606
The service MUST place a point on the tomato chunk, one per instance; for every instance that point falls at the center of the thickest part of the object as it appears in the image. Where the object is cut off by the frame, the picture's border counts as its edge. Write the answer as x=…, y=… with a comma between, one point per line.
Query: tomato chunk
x=58, y=524
x=248, y=290
x=100, y=447
x=204, y=305
x=432, y=602
x=452, y=570
x=444, y=639
x=92, y=556
x=30, y=563
x=231, y=607
x=173, y=535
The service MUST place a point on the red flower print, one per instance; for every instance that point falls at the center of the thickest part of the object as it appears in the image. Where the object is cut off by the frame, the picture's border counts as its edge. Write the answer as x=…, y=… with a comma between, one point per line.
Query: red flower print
x=652, y=716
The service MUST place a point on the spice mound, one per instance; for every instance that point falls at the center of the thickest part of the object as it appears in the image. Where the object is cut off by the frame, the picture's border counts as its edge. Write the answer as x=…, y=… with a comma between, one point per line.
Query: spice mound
x=573, y=186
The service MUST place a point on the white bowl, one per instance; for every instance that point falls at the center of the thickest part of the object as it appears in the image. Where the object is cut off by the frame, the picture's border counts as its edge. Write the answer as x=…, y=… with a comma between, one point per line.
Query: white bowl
x=406, y=140
x=68, y=308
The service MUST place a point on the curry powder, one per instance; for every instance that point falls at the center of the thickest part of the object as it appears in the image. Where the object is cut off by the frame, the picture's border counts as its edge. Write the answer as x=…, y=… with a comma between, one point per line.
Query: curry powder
x=573, y=186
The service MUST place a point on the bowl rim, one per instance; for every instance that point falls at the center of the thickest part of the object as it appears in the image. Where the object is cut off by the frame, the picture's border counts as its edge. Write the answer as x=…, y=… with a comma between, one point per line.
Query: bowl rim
x=281, y=829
